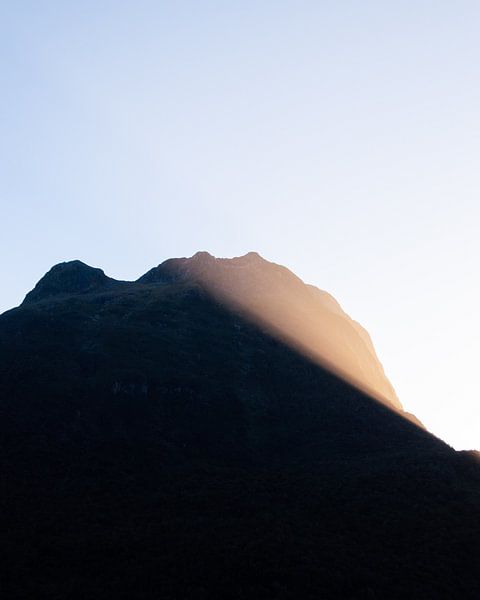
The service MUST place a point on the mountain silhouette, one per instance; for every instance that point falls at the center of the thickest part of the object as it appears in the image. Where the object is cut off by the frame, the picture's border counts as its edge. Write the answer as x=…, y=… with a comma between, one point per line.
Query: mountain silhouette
x=217, y=429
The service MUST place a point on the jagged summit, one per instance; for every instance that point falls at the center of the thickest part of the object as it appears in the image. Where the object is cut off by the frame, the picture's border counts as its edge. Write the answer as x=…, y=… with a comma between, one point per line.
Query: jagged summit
x=76, y=277
x=199, y=264
x=270, y=295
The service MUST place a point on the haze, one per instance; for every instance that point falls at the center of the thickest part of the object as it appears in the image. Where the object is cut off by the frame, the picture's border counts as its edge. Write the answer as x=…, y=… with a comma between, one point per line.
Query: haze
x=340, y=139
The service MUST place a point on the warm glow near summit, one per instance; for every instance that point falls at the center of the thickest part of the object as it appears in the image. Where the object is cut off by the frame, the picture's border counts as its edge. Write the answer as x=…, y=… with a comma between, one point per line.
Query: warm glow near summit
x=338, y=139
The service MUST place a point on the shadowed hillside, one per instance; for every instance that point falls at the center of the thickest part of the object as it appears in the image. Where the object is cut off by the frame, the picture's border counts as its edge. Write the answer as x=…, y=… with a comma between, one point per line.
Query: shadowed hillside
x=189, y=435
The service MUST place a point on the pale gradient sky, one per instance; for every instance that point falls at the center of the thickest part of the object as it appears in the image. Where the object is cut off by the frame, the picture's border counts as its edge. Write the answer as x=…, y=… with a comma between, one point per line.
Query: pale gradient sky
x=339, y=138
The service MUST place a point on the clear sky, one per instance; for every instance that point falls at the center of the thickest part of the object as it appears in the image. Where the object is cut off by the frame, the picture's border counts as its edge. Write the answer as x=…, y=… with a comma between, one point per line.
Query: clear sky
x=339, y=138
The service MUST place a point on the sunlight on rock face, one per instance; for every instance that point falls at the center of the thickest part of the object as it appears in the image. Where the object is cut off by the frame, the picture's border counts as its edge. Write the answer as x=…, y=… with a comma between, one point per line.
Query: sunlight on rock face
x=308, y=319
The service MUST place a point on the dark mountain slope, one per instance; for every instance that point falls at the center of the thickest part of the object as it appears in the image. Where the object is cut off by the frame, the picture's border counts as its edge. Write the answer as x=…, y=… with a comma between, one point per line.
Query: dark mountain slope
x=159, y=443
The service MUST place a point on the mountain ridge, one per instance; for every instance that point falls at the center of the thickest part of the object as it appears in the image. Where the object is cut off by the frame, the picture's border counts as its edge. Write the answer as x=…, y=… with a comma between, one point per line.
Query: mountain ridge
x=167, y=438
x=221, y=276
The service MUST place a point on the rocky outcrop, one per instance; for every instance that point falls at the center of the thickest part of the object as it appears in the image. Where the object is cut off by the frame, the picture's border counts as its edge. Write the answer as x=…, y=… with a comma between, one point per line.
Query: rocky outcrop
x=74, y=277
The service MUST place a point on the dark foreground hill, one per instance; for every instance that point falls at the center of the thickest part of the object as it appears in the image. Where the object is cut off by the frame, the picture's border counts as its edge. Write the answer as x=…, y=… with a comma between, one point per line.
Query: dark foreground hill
x=217, y=429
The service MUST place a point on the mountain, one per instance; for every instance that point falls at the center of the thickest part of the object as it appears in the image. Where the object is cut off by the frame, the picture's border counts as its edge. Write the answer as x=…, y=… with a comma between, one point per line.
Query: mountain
x=217, y=429
x=303, y=316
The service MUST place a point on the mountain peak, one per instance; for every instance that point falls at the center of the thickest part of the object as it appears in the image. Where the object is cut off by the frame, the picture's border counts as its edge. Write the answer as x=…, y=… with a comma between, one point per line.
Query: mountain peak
x=197, y=267
x=274, y=297
x=203, y=255
x=266, y=293
x=70, y=277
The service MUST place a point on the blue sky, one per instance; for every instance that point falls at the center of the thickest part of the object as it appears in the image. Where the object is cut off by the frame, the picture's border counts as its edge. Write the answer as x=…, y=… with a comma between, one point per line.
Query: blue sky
x=341, y=139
